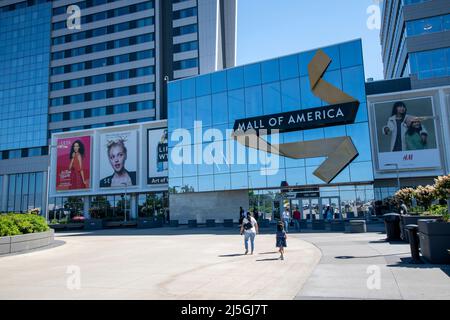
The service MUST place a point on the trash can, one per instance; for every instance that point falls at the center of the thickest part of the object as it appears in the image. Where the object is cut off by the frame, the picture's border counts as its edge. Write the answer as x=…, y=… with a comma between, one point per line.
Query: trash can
x=413, y=237
x=392, y=226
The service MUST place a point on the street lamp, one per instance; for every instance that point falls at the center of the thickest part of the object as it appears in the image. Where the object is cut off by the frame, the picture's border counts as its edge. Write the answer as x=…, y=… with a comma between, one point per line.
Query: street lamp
x=398, y=174
x=125, y=201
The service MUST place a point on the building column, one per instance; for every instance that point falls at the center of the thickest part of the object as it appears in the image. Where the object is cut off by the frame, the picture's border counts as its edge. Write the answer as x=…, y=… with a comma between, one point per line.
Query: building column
x=133, y=211
x=86, y=206
x=4, y=194
x=45, y=194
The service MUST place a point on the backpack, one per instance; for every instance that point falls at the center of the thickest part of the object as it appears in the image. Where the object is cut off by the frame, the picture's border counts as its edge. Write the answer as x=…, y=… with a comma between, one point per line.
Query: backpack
x=248, y=225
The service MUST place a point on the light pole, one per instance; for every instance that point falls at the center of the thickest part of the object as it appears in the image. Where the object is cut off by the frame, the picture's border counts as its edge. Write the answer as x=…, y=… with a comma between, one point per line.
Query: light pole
x=50, y=147
x=125, y=201
x=398, y=174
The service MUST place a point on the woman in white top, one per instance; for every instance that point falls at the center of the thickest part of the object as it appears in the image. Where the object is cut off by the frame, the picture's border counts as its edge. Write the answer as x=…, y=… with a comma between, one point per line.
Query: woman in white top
x=249, y=228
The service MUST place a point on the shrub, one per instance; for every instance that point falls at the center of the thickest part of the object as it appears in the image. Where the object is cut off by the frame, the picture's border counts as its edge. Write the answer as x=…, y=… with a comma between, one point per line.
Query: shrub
x=442, y=186
x=405, y=195
x=424, y=195
x=15, y=224
x=438, y=210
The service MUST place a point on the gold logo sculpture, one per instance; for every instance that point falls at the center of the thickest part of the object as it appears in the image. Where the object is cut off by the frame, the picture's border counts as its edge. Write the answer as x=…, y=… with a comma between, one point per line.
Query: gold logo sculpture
x=340, y=152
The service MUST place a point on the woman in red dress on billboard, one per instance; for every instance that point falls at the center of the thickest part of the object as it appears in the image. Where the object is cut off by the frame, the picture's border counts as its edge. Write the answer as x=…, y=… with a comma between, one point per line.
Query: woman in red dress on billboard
x=76, y=166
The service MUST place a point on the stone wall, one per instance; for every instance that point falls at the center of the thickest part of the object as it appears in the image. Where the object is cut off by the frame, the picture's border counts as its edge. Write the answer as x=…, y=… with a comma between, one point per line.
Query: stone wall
x=209, y=205
x=26, y=242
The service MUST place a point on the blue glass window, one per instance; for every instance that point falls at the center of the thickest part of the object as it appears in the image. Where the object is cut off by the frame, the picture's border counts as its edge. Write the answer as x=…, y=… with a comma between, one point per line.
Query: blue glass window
x=252, y=75
x=253, y=101
x=270, y=71
x=235, y=77
x=219, y=81
x=220, y=108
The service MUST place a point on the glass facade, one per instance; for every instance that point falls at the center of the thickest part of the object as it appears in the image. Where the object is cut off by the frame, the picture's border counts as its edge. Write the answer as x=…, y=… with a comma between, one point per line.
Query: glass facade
x=24, y=191
x=431, y=63
x=279, y=85
x=24, y=66
x=109, y=207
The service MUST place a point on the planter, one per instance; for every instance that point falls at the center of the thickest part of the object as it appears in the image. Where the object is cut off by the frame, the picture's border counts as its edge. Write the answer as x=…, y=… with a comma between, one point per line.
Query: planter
x=210, y=223
x=228, y=223
x=318, y=225
x=358, y=226
x=151, y=222
x=93, y=224
x=337, y=226
x=26, y=242
x=57, y=227
x=408, y=219
x=434, y=240
x=265, y=223
x=192, y=223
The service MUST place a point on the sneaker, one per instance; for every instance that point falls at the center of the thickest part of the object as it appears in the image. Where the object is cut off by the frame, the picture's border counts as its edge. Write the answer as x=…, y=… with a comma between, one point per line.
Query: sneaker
x=252, y=252
x=246, y=251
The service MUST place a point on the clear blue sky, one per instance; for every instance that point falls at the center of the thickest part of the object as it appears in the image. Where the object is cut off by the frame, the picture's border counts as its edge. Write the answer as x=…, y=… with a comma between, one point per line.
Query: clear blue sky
x=272, y=28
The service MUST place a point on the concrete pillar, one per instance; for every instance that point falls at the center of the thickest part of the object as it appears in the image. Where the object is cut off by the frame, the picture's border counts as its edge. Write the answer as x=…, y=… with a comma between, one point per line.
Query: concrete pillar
x=4, y=194
x=86, y=206
x=45, y=194
x=133, y=206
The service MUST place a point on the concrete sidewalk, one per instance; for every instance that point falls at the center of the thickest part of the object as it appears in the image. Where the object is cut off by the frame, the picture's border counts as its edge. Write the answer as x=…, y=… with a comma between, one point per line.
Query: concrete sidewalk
x=208, y=264
x=159, y=264
x=351, y=263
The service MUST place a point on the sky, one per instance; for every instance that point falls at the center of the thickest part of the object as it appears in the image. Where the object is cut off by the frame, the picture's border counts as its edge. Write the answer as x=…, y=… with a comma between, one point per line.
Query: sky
x=273, y=28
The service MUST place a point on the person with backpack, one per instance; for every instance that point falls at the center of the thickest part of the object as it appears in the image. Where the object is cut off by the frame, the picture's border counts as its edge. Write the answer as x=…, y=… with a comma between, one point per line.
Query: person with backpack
x=249, y=229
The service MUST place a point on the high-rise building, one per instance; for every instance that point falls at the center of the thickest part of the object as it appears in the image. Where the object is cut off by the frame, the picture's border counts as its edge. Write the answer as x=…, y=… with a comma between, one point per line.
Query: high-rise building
x=109, y=67
x=415, y=40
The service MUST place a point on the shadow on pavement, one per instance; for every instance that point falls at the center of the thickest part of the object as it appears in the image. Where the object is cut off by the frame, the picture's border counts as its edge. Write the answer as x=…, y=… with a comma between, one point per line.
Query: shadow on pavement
x=231, y=255
x=268, y=259
x=368, y=257
x=409, y=263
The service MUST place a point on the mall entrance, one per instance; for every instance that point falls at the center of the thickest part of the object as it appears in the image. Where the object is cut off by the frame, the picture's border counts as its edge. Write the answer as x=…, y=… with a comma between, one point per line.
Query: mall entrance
x=317, y=208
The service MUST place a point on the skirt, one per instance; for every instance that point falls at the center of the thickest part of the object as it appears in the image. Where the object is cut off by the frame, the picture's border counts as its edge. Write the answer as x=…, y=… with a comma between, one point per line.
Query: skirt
x=281, y=242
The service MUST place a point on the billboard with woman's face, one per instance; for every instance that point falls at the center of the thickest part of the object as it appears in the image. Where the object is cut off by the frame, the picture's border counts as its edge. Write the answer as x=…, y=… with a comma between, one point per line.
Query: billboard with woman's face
x=73, y=164
x=118, y=159
x=406, y=134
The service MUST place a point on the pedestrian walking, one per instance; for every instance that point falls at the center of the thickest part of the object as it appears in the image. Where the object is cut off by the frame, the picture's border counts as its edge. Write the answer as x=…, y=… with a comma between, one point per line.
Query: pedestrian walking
x=281, y=237
x=241, y=215
x=249, y=229
x=286, y=219
x=296, y=216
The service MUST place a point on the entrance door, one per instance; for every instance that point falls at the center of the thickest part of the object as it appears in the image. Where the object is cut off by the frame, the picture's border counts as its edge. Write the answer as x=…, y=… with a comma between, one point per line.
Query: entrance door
x=310, y=208
x=333, y=202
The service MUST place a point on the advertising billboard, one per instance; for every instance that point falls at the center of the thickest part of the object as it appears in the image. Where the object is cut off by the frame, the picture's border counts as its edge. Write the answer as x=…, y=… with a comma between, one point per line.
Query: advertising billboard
x=73, y=164
x=406, y=134
x=118, y=159
x=157, y=156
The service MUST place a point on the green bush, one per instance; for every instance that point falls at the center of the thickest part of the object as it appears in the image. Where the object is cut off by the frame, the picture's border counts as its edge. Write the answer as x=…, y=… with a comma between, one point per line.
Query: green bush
x=15, y=224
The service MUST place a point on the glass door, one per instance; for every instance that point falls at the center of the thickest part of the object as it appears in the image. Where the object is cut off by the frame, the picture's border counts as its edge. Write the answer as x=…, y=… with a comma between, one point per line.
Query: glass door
x=330, y=208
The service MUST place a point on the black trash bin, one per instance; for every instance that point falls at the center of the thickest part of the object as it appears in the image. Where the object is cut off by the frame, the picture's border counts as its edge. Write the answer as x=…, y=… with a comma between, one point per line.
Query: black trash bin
x=392, y=226
x=414, y=241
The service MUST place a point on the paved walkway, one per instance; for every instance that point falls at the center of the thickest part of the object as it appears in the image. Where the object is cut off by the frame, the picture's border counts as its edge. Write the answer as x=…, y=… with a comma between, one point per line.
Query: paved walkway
x=203, y=263
x=159, y=264
x=364, y=266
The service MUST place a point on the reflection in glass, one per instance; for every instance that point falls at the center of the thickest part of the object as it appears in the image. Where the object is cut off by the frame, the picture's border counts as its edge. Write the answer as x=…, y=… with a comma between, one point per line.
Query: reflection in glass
x=252, y=74
x=270, y=71
x=290, y=95
x=253, y=101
